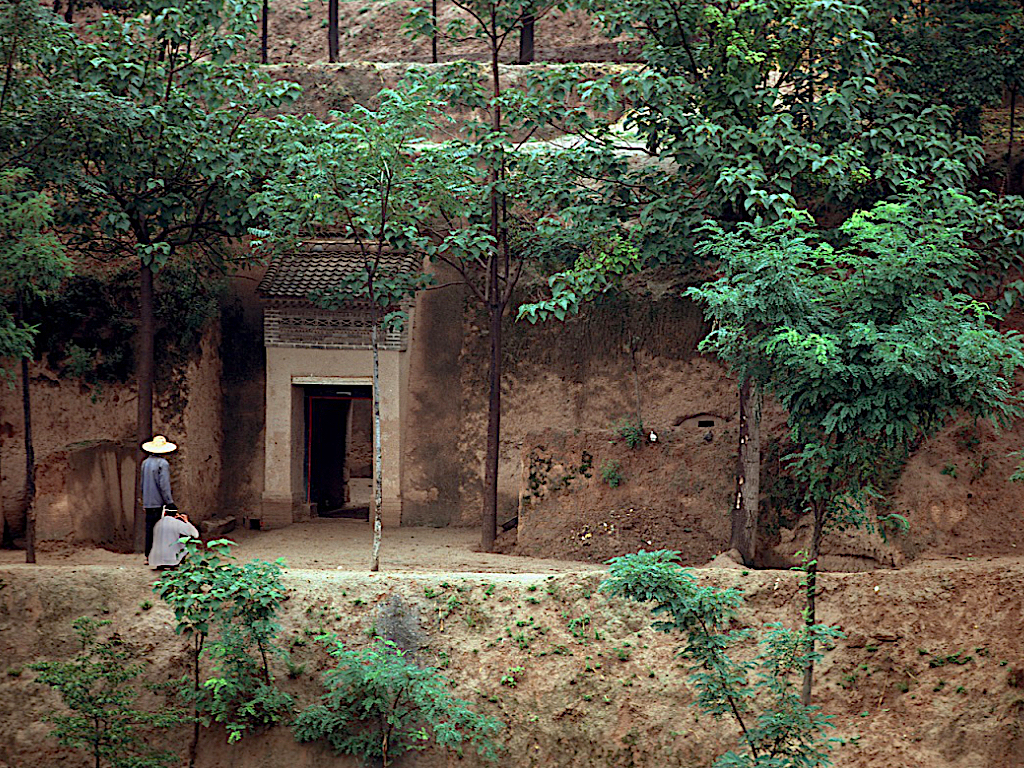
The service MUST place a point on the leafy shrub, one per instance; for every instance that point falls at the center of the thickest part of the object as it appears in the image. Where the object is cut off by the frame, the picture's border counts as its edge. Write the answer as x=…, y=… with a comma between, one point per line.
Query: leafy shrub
x=629, y=431
x=611, y=473
x=378, y=705
x=230, y=611
x=96, y=686
x=761, y=696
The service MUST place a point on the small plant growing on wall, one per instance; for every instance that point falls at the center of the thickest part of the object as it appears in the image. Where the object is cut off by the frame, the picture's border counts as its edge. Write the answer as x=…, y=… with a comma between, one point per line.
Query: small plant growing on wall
x=97, y=687
x=379, y=705
x=611, y=473
x=630, y=431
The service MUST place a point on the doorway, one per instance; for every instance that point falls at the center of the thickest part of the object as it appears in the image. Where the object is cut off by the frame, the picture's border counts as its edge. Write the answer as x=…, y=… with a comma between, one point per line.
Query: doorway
x=339, y=450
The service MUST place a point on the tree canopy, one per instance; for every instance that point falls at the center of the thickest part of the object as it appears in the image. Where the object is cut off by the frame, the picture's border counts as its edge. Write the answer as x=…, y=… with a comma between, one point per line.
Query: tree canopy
x=867, y=342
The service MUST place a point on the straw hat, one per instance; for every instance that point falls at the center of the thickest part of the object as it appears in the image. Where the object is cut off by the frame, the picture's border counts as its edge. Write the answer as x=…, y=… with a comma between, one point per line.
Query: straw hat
x=159, y=444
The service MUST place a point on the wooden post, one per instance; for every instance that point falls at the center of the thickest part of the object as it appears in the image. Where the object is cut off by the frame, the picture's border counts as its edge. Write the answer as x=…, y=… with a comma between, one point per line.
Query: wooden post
x=743, y=536
x=332, y=30
x=526, y=53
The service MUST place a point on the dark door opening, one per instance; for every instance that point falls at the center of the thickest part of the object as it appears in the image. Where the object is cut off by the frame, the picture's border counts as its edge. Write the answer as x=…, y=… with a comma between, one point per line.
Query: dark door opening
x=335, y=452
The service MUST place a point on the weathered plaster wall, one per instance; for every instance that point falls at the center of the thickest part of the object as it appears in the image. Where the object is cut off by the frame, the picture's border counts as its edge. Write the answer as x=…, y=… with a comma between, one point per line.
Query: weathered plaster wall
x=87, y=494
x=196, y=467
x=64, y=413
x=578, y=376
x=244, y=360
x=437, y=469
x=82, y=438
x=559, y=376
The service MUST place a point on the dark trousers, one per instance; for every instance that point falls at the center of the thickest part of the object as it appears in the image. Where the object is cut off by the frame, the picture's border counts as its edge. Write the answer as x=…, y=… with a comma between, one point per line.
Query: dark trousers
x=152, y=515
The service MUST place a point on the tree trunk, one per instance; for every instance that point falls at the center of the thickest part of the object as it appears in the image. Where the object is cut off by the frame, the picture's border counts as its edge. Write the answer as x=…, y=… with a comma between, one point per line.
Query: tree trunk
x=378, y=453
x=810, y=614
x=69, y=14
x=495, y=307
x=193, y=747
x=7, y=540
x=1009, y=142
x=489, y=522
x=263, y=31
x=332, y=30
x=146, y=375
x=433, y=33
x=526, y=53
x=743, y=537
x=30, y=467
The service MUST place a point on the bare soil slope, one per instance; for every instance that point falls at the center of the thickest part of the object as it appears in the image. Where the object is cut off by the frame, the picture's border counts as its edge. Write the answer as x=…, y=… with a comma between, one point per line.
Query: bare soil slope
x=371, y=30
x=955, y=491
x=930, y=674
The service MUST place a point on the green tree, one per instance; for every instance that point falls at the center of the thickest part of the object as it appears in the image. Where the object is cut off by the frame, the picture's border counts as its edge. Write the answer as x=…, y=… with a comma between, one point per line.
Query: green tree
x=364, y=178
x=173, y=179
x=230, y=613
x=32, y=266
x=32, y=258
x=379, y=704
x=497, y=213
x=36, y=109
x=96, y=686
x=775, y=728
x=867, y=344
x=960, y=53
x=755, y=110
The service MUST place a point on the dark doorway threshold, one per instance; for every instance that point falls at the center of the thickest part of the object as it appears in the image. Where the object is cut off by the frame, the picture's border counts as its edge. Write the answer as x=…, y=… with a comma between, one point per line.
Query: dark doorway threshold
x=348, y=513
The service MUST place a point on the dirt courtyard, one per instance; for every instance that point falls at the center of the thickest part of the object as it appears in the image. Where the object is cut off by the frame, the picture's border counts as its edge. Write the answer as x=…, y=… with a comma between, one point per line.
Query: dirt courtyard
x=326, y=544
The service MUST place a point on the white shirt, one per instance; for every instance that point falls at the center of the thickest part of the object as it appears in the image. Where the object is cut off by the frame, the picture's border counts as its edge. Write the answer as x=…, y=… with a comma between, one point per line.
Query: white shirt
x=167, y=550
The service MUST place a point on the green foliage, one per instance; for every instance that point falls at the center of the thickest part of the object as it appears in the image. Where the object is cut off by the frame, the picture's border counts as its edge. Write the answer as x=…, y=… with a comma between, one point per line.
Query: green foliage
x=868, y=346
x=757, y=109
x=146, y=125
x=507, y=204
x=630, y=431
x=959, y=53
x=175, y=168
x=32, y=259
x=759, y=695
x=363, y=178
x=230, y=611
x=37, y=109
x=380, y=705
x=87, y=329
x=511, y=678
x=590, y=276
x=611, y=473
x=537, y=189
x=97, y=687
x=489, y=19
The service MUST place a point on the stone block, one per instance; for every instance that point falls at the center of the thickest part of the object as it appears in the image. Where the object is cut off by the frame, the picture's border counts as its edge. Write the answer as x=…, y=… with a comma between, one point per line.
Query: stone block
x=276, y=513
x=218, y=526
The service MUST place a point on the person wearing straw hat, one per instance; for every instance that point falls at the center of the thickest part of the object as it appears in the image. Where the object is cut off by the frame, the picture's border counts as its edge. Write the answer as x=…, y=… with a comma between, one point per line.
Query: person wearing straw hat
x=156, y=484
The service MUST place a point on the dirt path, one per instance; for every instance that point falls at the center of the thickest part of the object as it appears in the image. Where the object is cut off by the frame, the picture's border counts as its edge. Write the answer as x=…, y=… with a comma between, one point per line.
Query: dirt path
x=340, y=545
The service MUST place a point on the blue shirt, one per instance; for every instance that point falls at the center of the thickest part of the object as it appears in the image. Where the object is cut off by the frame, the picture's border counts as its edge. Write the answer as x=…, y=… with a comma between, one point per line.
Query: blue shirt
x=156, y=482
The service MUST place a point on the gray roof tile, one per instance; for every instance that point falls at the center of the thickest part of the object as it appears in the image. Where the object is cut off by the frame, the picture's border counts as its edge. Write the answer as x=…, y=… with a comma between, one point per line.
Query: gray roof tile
x=319, y=264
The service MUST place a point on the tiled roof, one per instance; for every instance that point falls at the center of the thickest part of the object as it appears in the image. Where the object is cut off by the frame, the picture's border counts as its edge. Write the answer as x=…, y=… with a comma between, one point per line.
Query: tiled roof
x=319, y=264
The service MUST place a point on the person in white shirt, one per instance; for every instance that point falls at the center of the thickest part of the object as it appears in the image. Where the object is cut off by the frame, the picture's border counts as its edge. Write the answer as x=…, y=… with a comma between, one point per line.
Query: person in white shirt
x=167, y=548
